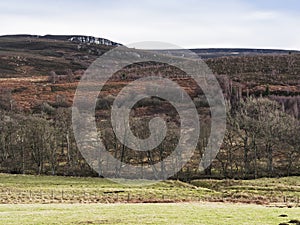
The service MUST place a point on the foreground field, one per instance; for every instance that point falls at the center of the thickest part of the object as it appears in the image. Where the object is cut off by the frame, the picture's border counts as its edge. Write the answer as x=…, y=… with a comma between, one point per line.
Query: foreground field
x=20, y=189
x=160, y=213
x=89, y=201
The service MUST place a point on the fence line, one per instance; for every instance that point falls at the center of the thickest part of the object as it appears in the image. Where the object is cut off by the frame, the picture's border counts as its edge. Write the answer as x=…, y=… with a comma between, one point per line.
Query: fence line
x=94, y=196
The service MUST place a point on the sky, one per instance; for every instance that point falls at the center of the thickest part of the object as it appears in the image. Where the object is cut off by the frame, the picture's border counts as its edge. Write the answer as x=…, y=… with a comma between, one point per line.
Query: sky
x=185, y=23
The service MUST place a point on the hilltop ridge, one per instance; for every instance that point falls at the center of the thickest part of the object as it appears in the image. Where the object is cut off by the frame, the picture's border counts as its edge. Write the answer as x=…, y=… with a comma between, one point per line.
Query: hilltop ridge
x=73, y=38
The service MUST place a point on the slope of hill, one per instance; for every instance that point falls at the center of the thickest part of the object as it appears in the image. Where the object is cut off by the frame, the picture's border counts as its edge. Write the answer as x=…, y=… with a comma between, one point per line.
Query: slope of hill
x=37, y=57
x=27, y=55
x=39, y=76
x=73, y=38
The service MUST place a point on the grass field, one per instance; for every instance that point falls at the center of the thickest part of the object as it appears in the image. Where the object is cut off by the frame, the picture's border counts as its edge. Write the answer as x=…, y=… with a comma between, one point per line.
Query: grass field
x=73, y=200
x=54, y=189
x=160, y=213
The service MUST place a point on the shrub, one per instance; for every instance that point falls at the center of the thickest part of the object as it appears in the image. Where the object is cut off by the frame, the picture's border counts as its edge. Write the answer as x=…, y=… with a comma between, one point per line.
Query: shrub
x=105, y=103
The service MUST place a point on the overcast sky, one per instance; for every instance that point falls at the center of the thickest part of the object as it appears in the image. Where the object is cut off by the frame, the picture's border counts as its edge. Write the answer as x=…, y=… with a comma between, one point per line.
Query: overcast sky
x=186, y=23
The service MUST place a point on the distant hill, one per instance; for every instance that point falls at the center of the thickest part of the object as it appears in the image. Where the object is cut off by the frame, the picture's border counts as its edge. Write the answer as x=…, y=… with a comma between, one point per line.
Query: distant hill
x=207, y=53
x=32, y=55
x=219, y=52
x=73, y=38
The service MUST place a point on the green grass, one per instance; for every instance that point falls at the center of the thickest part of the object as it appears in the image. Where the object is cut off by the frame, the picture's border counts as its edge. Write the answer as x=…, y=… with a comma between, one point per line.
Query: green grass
x=174, y=213
x=56, y=189
x=263, y=189
x=191, y=207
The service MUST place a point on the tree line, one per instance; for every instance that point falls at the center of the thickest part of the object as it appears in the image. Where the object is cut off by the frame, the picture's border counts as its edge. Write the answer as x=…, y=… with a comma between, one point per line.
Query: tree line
x=39, y=144
x=261, y=140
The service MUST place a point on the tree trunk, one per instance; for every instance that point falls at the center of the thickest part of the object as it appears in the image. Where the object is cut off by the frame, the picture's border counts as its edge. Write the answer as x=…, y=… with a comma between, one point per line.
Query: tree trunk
x=270, y=160
x=246, y=159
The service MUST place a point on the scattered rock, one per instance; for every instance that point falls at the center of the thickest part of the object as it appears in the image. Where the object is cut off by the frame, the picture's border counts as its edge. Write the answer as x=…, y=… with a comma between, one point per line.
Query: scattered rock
x=295, y=221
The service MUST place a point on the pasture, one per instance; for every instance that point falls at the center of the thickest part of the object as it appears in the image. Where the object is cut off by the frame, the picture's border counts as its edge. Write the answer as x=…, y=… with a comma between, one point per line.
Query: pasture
x=27, y=199
x=150, y=213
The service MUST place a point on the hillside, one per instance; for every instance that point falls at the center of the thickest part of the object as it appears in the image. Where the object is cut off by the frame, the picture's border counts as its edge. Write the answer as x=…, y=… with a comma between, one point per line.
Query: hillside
x=26, y=55
x=39, y=76
x=31, y=59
